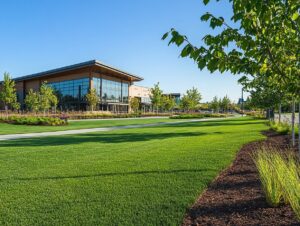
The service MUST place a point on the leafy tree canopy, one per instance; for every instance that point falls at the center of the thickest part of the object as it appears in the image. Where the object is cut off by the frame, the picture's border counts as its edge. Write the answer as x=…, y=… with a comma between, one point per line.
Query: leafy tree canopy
x=92, y=99
x=8, y=93
x=191, y=99
x=263, y=42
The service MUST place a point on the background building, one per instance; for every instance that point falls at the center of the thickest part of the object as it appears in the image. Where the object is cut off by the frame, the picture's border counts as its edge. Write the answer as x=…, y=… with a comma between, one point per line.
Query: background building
x=143, y=94
x=176, y=97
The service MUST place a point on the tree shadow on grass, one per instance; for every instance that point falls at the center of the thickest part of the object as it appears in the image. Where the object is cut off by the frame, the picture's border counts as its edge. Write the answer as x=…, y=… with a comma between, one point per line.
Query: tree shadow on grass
x=110, y=174
x=98, y=138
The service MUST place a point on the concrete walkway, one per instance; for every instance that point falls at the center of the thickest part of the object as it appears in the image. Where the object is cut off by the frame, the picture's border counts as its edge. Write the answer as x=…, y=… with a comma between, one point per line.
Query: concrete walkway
x=117, y=119
x=105, y=129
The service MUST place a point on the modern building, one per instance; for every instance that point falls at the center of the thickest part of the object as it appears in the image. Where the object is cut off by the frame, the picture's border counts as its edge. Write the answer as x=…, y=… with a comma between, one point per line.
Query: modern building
x=176, y=97
x=72, y=83
x=141, y=92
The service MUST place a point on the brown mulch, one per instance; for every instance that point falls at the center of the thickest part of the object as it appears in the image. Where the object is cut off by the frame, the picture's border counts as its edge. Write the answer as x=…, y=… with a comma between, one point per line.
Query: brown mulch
x=236, y=197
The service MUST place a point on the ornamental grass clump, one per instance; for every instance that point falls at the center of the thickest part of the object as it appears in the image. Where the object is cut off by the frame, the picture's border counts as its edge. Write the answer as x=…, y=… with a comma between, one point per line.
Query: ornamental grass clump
x=287, y=171
x=264, y=161
x=279, y=172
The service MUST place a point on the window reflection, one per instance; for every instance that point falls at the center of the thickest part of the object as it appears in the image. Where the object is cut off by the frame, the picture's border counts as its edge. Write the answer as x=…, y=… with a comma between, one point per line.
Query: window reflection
x=71, y=92
x=112, y=91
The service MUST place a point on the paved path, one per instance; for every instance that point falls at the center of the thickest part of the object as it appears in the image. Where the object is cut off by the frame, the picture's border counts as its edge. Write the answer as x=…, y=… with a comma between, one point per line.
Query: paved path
x=103, y=129
x=112, y=119
x=287, y=118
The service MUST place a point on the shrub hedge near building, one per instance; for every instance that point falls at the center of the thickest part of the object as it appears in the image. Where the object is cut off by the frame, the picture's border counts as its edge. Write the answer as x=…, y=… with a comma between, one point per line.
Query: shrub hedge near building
x=199, y=116
x=33, y=120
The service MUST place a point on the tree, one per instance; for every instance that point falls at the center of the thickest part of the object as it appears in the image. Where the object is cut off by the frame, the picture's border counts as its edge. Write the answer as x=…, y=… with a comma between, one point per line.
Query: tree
x=191, y=99
x=135, y=104
x=167, y=103
x=32, y=101
x=156, y=96
x=215, y=105
x=262, y=43
x=225, y=104
x=92, y=99
x=8, y=93
x=47, y=98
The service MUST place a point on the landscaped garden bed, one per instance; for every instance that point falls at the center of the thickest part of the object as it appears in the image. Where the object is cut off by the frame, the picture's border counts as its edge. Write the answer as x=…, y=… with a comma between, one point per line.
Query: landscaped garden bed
x=34, y=120
x=199, y=116
x=236, y=196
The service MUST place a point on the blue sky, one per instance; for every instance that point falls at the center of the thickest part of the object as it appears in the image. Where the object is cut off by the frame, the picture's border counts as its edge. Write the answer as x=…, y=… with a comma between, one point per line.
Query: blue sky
x=38, y=35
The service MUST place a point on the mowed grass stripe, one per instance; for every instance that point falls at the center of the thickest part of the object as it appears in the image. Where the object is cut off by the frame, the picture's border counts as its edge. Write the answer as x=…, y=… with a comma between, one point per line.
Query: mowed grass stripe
x=73, y=125
x=145, y=176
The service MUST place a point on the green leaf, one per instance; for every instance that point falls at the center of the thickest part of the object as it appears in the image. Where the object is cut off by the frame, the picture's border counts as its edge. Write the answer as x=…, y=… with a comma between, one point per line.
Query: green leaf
x=186, y=50
x=205, y=17
x=201, y=63
x=165, y=36
x=295, y=16
x=205, y=2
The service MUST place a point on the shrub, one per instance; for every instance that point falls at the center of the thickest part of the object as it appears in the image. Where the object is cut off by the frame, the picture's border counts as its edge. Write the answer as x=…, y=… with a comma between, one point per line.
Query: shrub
x=198, y=116
x=283, y=128
x=31, y=120
x=103, y=115
x=256, y=114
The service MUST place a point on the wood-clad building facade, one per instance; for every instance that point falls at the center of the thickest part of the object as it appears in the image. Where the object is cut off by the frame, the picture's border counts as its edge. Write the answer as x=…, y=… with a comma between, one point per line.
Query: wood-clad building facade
x=72, y=83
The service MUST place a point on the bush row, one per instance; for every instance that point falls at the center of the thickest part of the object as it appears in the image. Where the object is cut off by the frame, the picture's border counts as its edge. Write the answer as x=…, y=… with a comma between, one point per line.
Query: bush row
x=44, y=121
x=283, y=128
x=199, y=116
x=109, y=115
x=255, y=114
x=279, y=175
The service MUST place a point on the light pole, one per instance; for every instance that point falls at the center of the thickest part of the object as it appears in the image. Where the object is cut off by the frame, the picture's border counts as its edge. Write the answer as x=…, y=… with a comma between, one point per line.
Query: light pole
x=242, y=102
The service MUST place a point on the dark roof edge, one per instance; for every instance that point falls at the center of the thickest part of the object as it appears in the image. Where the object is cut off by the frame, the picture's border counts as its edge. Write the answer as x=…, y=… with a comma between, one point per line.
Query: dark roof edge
x=72, y=67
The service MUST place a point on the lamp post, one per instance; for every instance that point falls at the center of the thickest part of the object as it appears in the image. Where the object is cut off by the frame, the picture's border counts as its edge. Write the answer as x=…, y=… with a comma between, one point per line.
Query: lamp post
x=242, y=102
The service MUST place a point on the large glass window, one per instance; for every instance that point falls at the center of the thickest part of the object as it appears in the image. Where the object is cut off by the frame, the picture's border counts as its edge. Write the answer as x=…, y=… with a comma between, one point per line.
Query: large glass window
x=71, y=90
x=111, y=91
x=97, y=85
x=125, y=92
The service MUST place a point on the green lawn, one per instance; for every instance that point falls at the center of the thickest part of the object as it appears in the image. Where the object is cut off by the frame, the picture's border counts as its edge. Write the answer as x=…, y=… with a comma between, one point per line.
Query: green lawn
x=84, y=124
x=145, y=176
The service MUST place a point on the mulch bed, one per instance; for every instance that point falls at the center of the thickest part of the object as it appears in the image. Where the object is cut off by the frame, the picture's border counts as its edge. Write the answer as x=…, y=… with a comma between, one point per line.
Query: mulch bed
x=236, y=197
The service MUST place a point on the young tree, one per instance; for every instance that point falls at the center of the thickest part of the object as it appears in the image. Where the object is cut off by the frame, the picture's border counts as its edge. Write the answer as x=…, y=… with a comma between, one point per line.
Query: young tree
x=92, y=99
x=47, y=98
x=191, y=99
x=167, y=103
x=135, y=104
x=215, y=105
x=156, y=96
x=8, y=93
x=265, y=36
x=226, y=103
x=32, y=101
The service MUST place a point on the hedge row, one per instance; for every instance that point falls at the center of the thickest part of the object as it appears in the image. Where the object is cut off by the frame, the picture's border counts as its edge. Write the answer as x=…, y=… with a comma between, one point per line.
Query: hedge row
x=33, y=120
x=199, y=116
x=107, y=116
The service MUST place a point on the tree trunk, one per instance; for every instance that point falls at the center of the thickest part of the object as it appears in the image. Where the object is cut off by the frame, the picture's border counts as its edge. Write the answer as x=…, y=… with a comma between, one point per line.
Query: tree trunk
x=299, y=128
x=6, y=111
x=293, y=123
x=269, y=114
x=279, y=113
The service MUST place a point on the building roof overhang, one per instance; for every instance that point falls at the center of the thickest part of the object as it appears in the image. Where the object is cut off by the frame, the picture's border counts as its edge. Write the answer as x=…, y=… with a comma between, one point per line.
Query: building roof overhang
x=95, y=65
